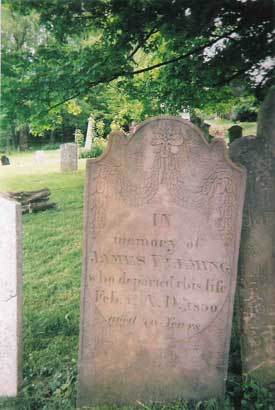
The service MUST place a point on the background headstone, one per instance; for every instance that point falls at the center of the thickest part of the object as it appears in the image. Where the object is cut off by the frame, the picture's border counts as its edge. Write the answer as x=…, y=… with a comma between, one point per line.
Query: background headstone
x=234, y=133
x=185, y=115
x=205, y=128
x=10, y=297
x=196, y=120
x=90, y=134
x=163, y=217
x=257, y=252
x=5, y=160
x=203, y=125
x=68, y=157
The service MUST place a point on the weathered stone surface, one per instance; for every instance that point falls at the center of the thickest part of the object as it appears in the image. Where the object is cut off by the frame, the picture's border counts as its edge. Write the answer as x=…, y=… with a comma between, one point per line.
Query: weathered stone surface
x=234, y=133
x=10, y=297
x=257, y=252
x=162, y=225
x=90, y=134
x=68, y=157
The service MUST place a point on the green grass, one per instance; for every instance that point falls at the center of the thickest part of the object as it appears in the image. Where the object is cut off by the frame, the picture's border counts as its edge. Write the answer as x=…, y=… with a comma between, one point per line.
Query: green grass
x=249, y=128
x=52, y=271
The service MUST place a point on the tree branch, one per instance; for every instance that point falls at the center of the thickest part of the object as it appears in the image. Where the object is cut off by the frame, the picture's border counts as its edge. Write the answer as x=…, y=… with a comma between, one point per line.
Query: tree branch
x=142, y=43
x=232, y=77
x=107, y=79
x=64, y=101
x=176, y=59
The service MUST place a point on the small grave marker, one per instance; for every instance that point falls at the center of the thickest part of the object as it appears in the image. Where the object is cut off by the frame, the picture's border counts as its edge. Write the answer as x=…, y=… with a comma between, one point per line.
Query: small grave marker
x=234, y=133
x=68, y=157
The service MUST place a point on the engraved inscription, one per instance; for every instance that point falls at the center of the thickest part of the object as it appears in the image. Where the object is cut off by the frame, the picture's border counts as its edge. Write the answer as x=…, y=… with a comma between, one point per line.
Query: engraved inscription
x=163, y=213
x=161, y=219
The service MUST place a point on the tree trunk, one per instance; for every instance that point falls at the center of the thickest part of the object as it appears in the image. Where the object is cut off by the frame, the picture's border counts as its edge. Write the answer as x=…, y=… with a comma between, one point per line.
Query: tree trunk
x=23, y=138
x=52, y=137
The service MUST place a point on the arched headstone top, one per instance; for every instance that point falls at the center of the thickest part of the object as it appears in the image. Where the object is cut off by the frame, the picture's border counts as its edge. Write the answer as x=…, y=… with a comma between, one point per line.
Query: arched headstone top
x=162, y=224
x=167, y=133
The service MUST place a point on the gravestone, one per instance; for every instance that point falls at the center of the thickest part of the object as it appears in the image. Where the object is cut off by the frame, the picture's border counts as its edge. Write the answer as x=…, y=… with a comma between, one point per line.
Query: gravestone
x=206, y=130
x=10, y=297
x=5, y=160
x=90, y=134
x=163, y=214
x=185, y=115
x=257, y=252
x=68, y=157
x=234, y=133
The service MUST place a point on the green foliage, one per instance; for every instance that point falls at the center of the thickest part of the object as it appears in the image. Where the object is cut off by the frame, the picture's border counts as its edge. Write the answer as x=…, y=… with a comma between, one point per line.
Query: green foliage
x=98, y=147
x=246, y=109
x=50, y=147
x=79, y=137
x=99, y=128
x=127, y=62
x=256, y=396
x=73, y=107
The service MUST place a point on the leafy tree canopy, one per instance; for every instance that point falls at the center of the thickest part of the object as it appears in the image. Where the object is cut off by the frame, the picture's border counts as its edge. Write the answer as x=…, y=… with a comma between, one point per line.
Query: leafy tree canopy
x=163, y=55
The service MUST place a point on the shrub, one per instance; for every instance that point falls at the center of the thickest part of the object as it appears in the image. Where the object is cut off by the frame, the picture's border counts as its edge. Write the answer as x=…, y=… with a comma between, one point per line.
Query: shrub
x=49, y=147
x=79, y=137
x=98, y=147
x=256, y=396
x=99, y=128
x=246, y=110
x=245, y=114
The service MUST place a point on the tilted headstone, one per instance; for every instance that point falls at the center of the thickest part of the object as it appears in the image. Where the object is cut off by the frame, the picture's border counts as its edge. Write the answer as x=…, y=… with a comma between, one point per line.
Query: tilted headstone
x=10, y=297
x=257, y=252
x=68, y=157
x=163, y=214
x=90, y=134
x=234, y=133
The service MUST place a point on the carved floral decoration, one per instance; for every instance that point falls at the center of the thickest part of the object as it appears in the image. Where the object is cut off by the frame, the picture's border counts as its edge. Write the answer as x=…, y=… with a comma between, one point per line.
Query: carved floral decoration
x=171, y=150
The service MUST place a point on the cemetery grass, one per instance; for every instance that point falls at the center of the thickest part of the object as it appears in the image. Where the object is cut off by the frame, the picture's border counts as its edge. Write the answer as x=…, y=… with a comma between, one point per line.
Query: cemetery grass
x=52, y=279
x=249, y=128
